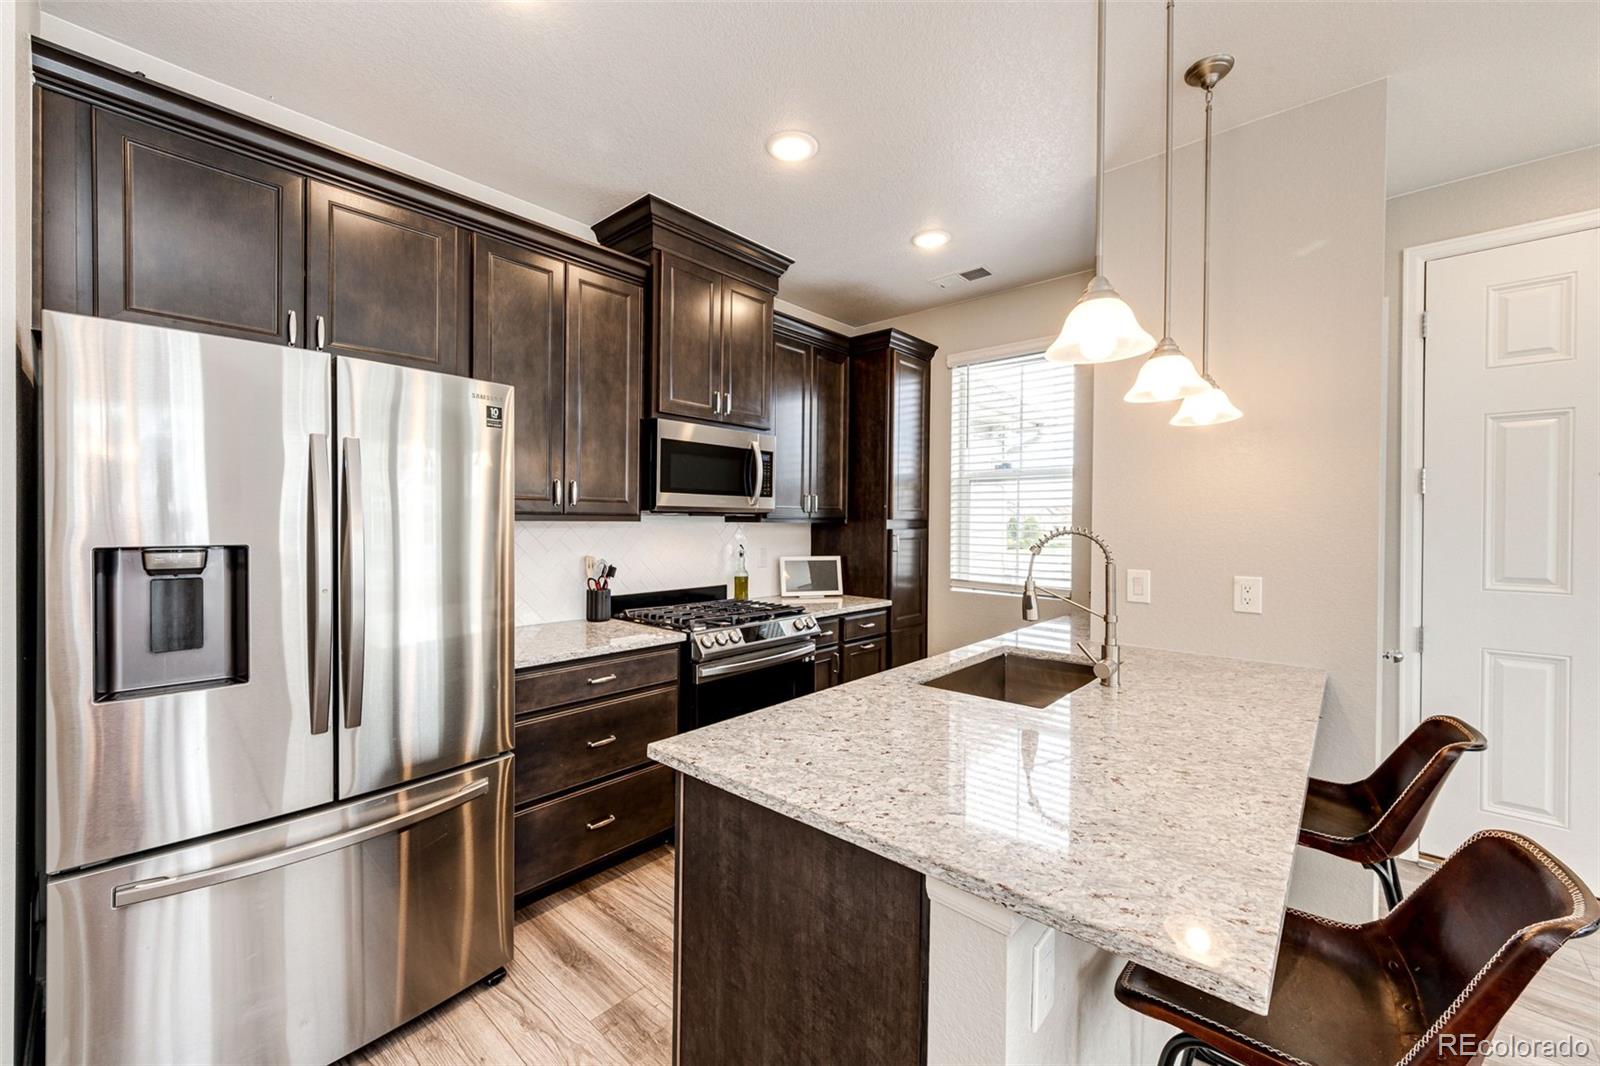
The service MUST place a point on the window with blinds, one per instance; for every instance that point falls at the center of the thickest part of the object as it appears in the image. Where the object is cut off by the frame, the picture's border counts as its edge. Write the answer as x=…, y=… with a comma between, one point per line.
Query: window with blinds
x=1011, y=456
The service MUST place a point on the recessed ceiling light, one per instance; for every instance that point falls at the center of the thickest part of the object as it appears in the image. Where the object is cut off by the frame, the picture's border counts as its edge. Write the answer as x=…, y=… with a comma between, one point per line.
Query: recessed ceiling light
x=929, y=239
x=792, y=146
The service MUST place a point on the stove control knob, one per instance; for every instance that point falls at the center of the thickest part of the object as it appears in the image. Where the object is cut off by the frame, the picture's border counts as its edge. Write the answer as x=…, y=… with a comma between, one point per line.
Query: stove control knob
x=705, y=640
x=807, y=622
x=736, y=637
x=722, y=638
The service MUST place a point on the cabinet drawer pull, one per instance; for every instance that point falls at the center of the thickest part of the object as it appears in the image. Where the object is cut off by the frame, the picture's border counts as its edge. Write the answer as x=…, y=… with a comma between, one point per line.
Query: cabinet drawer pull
x=603, y=741
x=868, y=647
x=602, y=823
x=866, y=625
x=294, y=330
x=555, y=492
x=603, y=679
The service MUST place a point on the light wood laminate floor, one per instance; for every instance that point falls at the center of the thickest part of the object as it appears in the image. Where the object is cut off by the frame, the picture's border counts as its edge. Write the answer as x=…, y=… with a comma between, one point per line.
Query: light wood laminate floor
x=592, y=983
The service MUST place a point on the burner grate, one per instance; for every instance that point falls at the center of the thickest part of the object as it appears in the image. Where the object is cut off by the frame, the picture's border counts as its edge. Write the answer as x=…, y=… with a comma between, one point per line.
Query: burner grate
x=716, y=614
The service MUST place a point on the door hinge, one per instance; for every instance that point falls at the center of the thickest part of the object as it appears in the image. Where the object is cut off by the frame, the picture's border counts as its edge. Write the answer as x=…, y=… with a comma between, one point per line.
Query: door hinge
x=1422, y=323
x=1422, y=481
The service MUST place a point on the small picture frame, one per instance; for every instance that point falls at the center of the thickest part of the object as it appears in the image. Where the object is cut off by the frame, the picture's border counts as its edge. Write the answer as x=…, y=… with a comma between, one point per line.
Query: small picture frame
x=810, y=576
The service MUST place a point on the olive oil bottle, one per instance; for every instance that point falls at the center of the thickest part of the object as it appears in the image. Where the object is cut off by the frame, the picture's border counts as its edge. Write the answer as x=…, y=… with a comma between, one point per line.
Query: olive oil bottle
x=741, y=578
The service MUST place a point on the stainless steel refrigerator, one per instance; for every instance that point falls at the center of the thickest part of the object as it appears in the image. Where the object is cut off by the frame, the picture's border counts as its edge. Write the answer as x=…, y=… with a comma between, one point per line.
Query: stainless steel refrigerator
x=277, y=694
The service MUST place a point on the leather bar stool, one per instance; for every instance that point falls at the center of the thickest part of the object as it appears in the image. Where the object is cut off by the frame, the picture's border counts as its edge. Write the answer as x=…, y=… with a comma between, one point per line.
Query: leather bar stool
x=1373, y=820
x=1444, y=965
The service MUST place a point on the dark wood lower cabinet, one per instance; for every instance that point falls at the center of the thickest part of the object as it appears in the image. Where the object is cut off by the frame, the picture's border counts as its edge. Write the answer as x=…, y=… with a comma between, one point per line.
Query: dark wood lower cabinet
x=865, y=658
x=908, y=646
x=557, y=837
x=829, y=669
x=793, y=946
x=559, y=751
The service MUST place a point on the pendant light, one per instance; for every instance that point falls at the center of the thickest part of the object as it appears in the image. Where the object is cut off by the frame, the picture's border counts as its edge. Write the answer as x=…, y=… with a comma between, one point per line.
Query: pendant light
x=1101, y=327
x=1212, y=407
x=1168, y=374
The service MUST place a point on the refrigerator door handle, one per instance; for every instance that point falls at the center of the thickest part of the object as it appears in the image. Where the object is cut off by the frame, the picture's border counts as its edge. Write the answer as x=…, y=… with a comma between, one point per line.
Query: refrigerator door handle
x=160, y=887
x=353, y=585
x=321, y=584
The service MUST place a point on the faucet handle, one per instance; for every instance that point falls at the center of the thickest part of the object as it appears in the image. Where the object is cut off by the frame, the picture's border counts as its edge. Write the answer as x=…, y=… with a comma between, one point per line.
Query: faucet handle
x=1102, y=667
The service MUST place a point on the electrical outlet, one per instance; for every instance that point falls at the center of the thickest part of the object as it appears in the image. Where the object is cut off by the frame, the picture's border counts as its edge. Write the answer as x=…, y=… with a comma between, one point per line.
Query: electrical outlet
x=1138, y=586
x=1044, y=977
x=1247, y=595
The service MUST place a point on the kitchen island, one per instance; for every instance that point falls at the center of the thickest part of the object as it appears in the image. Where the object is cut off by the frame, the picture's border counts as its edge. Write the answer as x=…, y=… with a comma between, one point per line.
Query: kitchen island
x=874, y=871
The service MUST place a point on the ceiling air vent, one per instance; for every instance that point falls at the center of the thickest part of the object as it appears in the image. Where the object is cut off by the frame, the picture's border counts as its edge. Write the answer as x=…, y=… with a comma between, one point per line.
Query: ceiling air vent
x=961, y=278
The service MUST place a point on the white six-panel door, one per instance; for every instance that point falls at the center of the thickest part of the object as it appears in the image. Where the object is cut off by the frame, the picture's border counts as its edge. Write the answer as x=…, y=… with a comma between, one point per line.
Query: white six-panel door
x=1511, y=540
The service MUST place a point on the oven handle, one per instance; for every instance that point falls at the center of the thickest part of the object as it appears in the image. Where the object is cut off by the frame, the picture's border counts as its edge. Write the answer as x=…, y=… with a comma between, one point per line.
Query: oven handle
x=744, y=666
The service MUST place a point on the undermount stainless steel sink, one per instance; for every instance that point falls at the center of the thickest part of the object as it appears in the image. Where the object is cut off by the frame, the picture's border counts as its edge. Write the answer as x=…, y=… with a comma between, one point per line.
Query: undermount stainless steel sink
x=1013, y=678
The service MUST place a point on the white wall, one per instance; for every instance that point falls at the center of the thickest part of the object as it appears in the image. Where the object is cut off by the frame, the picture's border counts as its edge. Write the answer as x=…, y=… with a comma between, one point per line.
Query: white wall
x=1545, y=188
x=1292, y=492
x=657, y=552
x=17, y=22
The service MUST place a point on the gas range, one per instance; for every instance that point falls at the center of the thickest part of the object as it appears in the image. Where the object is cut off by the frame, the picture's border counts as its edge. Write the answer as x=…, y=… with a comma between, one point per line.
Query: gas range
x=725, y=628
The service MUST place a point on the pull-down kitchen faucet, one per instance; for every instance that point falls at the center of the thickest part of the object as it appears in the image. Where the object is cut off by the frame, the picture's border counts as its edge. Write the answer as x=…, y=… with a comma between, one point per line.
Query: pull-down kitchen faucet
x=1108, y=665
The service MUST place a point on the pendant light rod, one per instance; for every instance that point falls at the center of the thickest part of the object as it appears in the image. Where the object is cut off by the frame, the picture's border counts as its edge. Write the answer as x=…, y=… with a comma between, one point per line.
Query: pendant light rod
x=1205, y=255
x=1166, y=172
x=1100, y=139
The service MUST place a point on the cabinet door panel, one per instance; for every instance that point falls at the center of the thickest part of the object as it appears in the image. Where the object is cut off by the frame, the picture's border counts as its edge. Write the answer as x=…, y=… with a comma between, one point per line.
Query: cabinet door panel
x=828, y=669
x=863, y=660
x=908, y=577
x=908, y=451
x=385, y=279
x=519, y=338
x=747, y=354
x=830, y=422
x=194, y=236
x=791, y=425
x=605, y=368
x=908, y=646
x=689, y=372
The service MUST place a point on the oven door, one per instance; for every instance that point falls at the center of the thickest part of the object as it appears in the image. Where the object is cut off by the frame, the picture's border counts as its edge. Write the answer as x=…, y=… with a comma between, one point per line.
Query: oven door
x=728, y=688
x=710, y=469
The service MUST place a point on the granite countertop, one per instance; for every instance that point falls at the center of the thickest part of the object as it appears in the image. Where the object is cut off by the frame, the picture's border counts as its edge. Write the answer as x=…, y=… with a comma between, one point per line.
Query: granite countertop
x=557, y=642
x=828, y=606
x=1156, y=821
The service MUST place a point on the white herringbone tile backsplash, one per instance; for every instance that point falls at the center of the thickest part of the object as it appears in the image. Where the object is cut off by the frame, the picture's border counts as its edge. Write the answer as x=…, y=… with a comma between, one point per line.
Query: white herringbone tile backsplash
x=657, y=552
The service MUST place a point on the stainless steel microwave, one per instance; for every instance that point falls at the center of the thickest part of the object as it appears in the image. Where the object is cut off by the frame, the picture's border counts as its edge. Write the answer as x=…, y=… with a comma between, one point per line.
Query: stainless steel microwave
x=697, y=469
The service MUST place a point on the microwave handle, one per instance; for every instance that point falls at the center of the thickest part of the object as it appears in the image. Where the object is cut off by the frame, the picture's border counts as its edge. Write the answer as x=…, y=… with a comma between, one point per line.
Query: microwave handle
x=755, y=472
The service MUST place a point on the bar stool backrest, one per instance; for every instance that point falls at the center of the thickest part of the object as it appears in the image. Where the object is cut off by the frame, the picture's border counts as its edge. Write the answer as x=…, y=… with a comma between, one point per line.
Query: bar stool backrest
x=1408, y=781
x=1475, y=933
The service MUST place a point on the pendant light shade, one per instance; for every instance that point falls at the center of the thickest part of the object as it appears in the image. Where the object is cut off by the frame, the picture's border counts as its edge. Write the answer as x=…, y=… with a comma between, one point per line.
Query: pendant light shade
x=1211, y=407
x=1101, y=327
x=1168, y=374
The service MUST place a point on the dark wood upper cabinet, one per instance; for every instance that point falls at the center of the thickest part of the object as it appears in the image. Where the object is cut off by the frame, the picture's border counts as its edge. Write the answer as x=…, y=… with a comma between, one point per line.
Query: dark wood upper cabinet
x=792, y=427
x=711, y=308
x=605, y=373
x=746, y=355
x=384, y=280
x=908, y=436
x=689, y=310
x=908, y=577
x=519, y=306
x=193, y=236
x=810, y=418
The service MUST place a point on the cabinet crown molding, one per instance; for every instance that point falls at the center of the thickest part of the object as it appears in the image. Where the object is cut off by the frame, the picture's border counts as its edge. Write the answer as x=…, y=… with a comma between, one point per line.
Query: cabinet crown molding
x=651, y=223
x=894, y=340
x=798, y=329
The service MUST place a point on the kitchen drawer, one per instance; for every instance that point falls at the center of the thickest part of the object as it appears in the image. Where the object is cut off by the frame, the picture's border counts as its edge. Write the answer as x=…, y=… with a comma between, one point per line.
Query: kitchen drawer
x=863, y=659
x=557, y=686
x=561, y=835
x=862, y=626
x=827, y=631
x=559, y=751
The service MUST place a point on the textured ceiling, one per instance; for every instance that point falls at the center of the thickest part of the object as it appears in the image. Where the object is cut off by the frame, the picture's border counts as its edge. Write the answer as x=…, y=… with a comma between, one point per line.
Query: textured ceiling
x=976, y=118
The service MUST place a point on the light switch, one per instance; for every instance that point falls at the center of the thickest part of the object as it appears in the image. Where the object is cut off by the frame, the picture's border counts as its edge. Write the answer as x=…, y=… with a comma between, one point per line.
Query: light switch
x=1138, y=586
x=1247, y=595
x=1044, y=977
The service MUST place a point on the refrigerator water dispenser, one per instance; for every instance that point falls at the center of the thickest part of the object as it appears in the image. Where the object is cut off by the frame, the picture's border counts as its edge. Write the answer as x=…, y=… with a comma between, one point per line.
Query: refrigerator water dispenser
x=169, y=619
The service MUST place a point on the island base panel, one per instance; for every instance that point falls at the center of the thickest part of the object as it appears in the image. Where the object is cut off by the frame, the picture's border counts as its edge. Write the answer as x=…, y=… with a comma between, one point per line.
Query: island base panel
x=792, y=945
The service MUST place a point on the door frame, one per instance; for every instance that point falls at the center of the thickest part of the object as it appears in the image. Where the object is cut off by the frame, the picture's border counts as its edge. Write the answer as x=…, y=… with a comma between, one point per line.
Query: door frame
x=1413, y=293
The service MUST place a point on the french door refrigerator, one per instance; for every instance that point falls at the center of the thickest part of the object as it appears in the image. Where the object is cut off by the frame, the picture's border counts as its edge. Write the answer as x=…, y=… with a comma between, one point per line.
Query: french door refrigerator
x=277, y=706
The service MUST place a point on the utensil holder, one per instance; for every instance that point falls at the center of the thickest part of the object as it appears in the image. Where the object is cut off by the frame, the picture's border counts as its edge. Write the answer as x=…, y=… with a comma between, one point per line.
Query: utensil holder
x=597, y=605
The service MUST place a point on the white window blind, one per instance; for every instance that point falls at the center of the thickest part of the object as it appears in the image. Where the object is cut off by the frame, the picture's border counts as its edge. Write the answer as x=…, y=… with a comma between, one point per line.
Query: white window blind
x=1011, y=466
